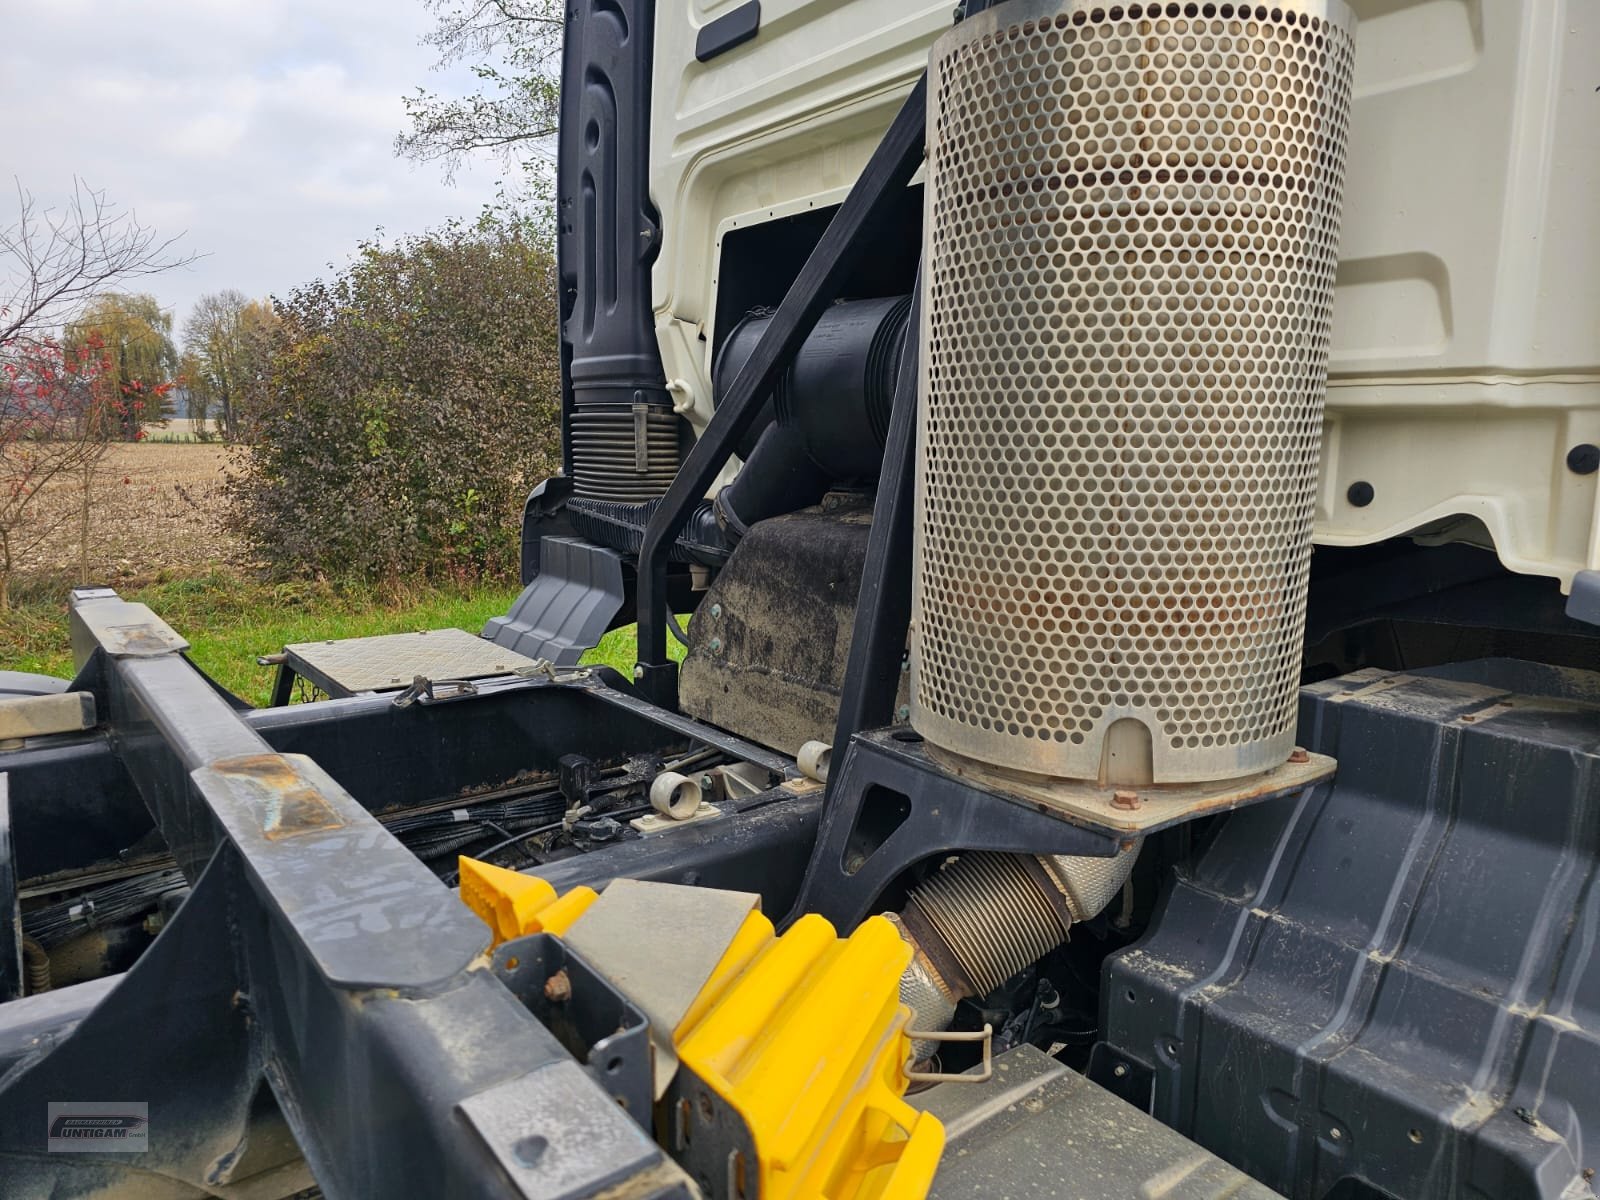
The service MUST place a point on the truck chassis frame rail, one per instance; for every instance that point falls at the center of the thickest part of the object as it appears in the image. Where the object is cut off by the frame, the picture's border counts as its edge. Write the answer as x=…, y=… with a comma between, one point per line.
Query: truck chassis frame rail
x=317, y=962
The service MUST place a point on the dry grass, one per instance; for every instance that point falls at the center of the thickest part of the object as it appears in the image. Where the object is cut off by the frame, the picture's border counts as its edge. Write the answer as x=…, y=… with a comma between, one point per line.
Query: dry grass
x=157, y=509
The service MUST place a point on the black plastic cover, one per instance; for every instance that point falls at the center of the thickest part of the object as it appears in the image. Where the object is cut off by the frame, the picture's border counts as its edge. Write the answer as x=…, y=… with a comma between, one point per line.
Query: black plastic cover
x=1390, y=987
x=839, y=390
x=727, y=31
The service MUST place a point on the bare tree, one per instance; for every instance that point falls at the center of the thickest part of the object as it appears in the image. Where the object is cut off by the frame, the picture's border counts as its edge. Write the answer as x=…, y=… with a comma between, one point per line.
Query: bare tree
x=514, y=49
x=58, y=405
x=223, y=354
x=53, y=261
x=55, y=418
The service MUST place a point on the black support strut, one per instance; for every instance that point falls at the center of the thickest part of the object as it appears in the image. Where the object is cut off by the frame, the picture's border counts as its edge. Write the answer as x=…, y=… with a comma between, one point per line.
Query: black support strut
x=871, y=202
x=883, y=604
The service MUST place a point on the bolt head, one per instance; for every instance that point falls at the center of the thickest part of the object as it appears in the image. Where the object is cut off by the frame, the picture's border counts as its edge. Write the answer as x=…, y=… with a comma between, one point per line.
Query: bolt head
x=1299, y=756
x=1120, y=1070
x=903, y=713
x=638, y=671
x=715, y=645
x=1126, y=800
x=558, y=988
x=716, y=610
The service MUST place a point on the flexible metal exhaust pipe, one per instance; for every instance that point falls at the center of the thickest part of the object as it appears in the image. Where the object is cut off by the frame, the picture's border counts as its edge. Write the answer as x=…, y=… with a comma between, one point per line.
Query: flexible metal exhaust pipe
x=980, y=919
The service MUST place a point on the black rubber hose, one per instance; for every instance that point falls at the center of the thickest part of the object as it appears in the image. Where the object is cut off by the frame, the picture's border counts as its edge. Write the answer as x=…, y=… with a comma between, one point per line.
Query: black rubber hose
x=778, y=477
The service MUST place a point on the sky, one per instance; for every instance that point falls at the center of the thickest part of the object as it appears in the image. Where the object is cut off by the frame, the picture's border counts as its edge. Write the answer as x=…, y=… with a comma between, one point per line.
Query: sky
x=261, y=130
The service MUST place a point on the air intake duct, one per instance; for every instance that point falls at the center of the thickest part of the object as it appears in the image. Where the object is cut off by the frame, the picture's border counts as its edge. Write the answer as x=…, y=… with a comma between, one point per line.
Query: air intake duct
x=828, y=417
x=621, y=430
x=627, y=453
x=1132, y=232
x=839, y=391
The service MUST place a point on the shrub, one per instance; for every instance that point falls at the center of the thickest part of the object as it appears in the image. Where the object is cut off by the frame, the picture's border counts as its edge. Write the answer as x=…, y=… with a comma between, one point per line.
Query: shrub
x=411, y=401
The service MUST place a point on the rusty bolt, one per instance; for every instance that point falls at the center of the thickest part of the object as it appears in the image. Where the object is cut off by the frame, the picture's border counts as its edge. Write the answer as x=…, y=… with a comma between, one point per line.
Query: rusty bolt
x=558, y=988
x=1588, y=1172
x=1298, y=756
x=1128, y=800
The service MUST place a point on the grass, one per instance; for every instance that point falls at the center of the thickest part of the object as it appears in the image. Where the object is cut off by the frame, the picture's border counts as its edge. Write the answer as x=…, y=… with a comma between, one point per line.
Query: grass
x=619, y=649
x=229, y=620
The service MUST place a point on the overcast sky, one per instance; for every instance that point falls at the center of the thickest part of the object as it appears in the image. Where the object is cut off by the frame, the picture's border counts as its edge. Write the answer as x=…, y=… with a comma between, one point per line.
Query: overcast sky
x=261, y=129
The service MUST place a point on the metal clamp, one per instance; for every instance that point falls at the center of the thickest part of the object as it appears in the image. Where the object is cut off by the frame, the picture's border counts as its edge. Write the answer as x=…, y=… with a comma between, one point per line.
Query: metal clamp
x=543, y=668
x=428, y=691
x=984, y=1035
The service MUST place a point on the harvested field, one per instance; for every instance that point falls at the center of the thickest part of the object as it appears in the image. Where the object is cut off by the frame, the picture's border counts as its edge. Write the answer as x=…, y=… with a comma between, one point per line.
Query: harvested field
x=156, y=508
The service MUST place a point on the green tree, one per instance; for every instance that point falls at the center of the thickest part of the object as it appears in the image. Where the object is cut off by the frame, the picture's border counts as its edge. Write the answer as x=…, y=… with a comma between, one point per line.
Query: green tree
x=412, y=400
x=135, y=335
x=226, y=341
x=513, y=48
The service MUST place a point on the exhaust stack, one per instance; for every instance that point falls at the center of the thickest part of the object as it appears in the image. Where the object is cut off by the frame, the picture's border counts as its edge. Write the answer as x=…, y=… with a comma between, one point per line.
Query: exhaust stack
x=1131, y=238
x=1133, y=226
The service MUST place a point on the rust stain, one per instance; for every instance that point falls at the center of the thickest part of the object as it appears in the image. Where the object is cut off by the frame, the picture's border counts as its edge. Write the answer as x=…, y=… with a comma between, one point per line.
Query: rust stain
x=289, y=804
x=138, y=639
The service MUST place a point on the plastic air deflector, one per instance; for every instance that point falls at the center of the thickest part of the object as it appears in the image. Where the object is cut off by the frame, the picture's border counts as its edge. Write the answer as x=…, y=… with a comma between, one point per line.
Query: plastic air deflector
x=567, y=606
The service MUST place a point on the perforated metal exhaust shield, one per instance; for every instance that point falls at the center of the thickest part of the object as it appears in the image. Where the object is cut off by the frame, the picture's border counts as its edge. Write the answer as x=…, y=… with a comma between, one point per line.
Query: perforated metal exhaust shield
x=1132, y=233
